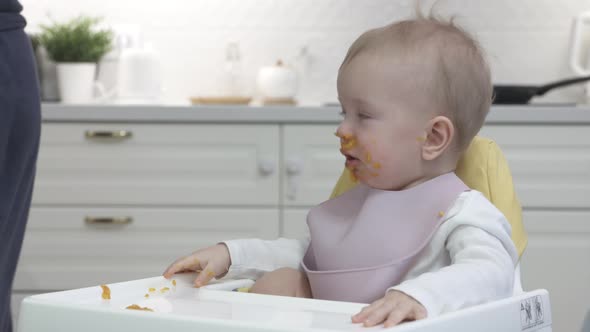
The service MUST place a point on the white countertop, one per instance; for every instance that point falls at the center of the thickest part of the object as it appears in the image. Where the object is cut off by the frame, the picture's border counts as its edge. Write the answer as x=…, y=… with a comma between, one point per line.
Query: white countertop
x=529, y=114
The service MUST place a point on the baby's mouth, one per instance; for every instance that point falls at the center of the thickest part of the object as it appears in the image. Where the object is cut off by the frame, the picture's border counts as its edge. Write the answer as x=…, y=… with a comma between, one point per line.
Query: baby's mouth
x=351, y=161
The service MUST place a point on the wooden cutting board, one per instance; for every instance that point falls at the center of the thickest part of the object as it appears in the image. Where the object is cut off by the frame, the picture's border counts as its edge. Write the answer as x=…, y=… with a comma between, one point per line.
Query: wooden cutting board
x=221, y=100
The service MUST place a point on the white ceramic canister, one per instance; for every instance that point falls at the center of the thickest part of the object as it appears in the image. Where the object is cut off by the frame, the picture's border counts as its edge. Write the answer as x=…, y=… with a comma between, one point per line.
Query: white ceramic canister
x=277, y=82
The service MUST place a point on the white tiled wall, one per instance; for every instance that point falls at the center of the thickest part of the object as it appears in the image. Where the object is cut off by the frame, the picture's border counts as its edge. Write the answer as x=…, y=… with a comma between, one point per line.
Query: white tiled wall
x=527, y=40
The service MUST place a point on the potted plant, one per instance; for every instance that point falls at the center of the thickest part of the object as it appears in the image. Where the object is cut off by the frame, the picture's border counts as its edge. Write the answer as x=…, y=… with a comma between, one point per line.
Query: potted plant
x=76, y=46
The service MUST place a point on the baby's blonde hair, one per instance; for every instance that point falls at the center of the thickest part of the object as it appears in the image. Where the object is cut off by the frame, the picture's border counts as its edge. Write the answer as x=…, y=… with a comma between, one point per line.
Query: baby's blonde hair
x=461, y=82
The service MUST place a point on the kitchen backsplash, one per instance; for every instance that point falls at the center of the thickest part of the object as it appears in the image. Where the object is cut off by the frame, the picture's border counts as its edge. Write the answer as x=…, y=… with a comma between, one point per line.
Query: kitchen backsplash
x=527, y=41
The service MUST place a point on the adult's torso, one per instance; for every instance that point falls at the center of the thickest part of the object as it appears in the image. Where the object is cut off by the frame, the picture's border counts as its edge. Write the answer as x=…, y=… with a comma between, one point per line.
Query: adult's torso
x=10, y=17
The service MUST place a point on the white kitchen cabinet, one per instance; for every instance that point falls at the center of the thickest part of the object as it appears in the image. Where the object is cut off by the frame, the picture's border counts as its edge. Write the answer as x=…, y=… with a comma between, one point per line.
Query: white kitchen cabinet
x=83, y=246
x=312, y=163
x=551, y=169
x=550, y=164
x=558, y=259
x=295, y=223
x=157, y=164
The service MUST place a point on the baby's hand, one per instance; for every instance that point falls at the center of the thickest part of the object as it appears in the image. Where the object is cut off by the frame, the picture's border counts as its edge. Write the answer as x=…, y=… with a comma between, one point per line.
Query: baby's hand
x=210, y=262
x=394, y=308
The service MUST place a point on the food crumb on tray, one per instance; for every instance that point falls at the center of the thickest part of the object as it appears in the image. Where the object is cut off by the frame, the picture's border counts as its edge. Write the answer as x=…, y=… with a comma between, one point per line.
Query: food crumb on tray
x=137, y=307
x=106, y=292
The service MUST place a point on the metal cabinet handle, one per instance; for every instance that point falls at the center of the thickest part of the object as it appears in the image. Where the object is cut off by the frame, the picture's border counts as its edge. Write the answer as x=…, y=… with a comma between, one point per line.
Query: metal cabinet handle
x=108, y=134
x=108, y=220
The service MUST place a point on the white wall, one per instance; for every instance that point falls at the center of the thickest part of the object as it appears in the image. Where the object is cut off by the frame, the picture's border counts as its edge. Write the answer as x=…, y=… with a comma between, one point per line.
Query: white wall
x=527, y=40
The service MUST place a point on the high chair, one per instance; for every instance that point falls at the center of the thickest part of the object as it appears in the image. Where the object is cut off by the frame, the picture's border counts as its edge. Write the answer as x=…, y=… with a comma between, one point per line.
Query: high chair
x=216, y=308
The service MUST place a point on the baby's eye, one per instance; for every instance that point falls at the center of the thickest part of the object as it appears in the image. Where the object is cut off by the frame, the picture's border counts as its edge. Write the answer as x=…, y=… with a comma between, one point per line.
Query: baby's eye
x=364, y=116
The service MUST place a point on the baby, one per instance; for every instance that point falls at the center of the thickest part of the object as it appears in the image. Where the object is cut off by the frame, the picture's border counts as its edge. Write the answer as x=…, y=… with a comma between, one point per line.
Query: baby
x=411, y=238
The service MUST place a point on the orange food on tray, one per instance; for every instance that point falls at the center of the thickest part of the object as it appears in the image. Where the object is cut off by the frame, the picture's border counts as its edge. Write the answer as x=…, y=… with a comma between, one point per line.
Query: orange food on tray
x=106, y=292
x=137, y=307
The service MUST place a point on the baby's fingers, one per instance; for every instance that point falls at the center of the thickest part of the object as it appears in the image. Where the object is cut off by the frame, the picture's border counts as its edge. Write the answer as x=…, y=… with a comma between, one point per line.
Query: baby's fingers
x=378, y=315
x=188, y=263
x=403, y=313
x=366, y=311
x=205, y=275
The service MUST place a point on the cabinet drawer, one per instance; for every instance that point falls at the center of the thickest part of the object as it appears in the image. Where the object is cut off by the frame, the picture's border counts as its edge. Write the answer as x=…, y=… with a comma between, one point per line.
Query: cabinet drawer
x=61, y=250
x=550, y=164
x=193, y=164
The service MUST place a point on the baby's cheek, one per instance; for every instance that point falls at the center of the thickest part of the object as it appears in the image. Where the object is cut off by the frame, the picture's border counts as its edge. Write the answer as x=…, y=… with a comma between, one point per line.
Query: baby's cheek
x=372, y=157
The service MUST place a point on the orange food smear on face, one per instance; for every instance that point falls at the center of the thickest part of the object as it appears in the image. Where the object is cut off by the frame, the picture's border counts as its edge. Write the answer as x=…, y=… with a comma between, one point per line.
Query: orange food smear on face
x=210, y=274
x=421, y=139
x=353, y=176
x=441, y=213
x=137, y=307
x=348, y=144
x=106, y=292
x=377, y=165
x=368, y=157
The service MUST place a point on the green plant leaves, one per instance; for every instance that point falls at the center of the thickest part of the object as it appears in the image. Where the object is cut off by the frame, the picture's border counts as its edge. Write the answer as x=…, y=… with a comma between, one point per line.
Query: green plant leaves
x=76, y=40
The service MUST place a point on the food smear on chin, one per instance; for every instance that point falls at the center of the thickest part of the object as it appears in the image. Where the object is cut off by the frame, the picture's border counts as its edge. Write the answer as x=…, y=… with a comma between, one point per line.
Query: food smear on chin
x=353, y=176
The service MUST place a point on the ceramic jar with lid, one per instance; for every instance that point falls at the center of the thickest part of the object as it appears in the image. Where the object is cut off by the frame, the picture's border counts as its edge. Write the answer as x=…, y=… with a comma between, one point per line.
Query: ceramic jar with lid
x=277, y=84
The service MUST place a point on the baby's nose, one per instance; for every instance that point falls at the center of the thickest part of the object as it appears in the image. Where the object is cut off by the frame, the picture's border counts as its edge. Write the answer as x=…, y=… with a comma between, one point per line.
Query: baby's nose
x=344, y=132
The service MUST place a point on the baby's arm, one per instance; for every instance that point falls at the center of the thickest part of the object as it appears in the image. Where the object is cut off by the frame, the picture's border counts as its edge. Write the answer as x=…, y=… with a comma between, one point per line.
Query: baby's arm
x=483, y=259
x=251, y=258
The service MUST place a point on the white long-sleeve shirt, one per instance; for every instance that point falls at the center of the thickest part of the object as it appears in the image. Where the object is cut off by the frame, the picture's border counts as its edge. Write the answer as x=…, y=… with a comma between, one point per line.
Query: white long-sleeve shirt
x=470, y=259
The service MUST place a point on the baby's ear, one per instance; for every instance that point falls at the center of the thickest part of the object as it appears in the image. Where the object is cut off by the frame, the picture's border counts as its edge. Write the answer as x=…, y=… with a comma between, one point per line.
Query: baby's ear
x=439, y=135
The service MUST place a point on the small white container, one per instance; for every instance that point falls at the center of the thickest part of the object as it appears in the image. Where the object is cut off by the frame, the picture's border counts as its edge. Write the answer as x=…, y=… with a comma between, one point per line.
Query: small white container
x=76, y=82
x=277, y=82
x=139, y=75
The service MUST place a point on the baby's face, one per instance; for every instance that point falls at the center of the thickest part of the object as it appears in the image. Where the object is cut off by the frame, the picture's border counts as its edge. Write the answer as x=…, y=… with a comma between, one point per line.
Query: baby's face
x=384, y=121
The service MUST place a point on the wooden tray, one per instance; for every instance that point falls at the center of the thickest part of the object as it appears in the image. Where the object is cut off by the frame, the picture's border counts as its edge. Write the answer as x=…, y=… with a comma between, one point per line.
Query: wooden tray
x=221, y=100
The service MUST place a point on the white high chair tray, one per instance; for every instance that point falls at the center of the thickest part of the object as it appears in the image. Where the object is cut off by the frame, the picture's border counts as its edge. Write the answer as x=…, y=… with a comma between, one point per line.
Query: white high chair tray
x=214, y=308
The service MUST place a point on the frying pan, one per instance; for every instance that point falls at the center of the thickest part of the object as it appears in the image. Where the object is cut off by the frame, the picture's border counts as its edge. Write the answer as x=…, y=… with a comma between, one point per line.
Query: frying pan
x=522, y=94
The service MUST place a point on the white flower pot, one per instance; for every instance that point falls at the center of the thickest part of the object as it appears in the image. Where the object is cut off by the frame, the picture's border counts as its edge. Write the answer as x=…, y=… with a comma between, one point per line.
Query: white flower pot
x=76, y=82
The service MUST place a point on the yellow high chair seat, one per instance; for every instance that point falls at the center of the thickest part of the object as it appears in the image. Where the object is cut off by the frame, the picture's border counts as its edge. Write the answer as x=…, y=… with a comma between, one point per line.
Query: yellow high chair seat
x=482, y=168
